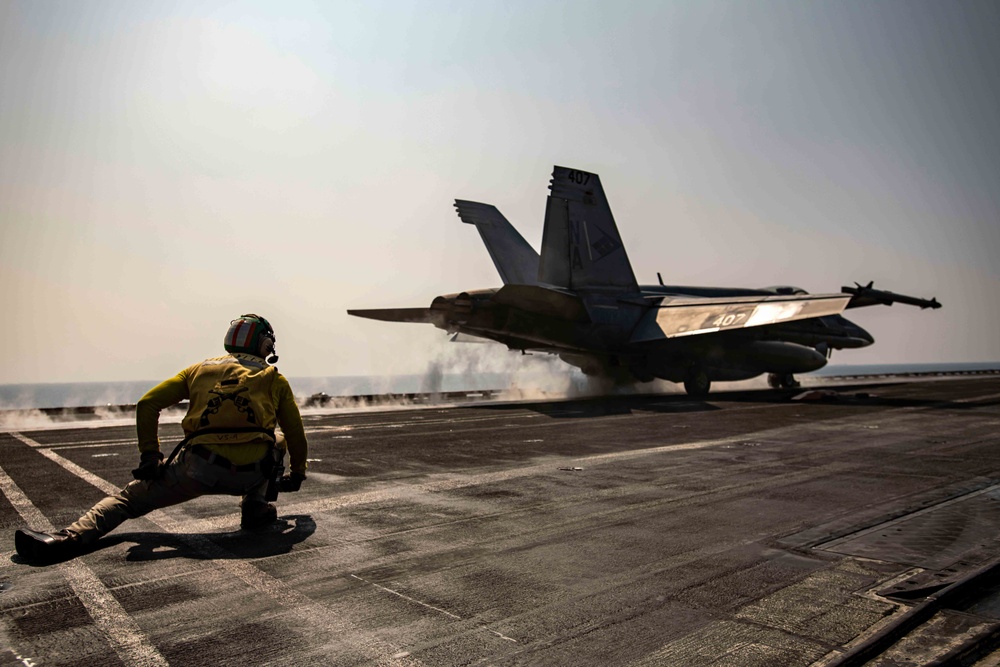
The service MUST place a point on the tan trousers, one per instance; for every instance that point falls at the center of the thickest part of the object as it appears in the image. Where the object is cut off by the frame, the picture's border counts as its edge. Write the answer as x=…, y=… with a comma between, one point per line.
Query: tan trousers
x=187, y=477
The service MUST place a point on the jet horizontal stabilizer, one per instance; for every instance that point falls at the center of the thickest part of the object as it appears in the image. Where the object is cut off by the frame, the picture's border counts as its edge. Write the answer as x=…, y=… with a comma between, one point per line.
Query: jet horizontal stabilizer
x=422, y=315
x=681, y=316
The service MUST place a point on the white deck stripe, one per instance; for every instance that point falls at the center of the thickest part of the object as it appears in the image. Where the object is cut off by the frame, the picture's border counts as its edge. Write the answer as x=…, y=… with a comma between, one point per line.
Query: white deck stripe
x=84, y=443
x=123, y=633
x=102, y=484
x=987, y=397
x=407, y=597
x=31, y=514
x=311, y=612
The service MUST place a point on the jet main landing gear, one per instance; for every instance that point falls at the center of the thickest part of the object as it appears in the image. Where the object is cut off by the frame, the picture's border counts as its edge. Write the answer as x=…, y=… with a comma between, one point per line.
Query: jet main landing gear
x=697, y=384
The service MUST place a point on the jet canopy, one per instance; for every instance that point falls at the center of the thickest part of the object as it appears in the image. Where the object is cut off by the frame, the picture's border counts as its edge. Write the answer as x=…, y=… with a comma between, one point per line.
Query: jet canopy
x=784, y=289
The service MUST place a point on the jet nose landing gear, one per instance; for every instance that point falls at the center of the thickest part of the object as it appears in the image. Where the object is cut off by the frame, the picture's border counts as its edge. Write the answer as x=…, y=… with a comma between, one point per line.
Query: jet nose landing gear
x=782, y=381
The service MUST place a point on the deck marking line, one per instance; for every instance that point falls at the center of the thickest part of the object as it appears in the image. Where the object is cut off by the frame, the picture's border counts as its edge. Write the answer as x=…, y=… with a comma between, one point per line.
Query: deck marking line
x=123, y=633
x=407, y=597
x=81, y=445
x=102, y=484
x=977, y=398
x=312, y=611
x=74, y=443
x=835, y=543
x=432, y=607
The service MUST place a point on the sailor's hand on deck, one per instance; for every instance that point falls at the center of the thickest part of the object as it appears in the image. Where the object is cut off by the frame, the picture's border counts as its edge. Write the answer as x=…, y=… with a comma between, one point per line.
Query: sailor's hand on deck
x=149, y=466
x=291, y=482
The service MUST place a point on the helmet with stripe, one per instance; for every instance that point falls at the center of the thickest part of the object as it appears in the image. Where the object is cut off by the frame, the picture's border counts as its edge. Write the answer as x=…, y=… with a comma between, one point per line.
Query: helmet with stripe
x=250, y=334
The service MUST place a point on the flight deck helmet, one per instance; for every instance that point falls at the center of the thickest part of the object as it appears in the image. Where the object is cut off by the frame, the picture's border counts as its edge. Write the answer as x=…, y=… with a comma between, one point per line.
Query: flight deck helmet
x=251, y=334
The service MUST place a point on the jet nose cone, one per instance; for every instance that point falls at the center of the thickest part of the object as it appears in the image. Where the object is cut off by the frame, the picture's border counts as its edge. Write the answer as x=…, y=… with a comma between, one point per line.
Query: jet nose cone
x=863, y=335
x=853, y=336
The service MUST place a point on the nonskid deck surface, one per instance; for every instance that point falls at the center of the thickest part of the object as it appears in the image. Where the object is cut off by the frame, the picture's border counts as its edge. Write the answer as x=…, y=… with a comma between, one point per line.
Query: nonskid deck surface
x=745, y=529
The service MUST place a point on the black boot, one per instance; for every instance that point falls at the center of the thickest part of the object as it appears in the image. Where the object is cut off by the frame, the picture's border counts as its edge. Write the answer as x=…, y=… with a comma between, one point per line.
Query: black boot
x=256, y=514
x=38, y=547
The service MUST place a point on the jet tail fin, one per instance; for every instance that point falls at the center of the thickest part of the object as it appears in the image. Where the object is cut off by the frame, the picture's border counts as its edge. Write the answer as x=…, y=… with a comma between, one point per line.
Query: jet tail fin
x=581, y=246
x=515, y=260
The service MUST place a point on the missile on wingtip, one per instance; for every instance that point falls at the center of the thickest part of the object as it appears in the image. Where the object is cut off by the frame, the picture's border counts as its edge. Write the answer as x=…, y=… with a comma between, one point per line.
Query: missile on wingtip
x=866, y=295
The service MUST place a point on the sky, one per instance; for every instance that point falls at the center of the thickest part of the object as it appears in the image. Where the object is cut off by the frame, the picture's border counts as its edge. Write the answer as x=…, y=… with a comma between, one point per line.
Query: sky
x=166, y=167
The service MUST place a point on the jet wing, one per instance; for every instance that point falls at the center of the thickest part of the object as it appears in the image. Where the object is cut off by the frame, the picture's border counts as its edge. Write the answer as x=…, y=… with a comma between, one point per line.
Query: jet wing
x=424, y=315
x=680, y=316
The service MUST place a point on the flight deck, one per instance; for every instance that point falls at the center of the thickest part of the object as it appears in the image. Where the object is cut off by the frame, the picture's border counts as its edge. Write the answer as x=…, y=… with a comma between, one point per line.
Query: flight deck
x=855, y=524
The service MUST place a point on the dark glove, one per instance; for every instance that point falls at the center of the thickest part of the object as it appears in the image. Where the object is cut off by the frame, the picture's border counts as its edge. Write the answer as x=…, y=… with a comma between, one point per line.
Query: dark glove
x=149, y=466
x=291, y=482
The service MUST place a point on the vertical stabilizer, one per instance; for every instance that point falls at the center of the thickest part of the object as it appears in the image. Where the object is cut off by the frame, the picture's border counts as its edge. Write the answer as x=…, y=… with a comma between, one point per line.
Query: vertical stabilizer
x=516, y=261
x=581, y=246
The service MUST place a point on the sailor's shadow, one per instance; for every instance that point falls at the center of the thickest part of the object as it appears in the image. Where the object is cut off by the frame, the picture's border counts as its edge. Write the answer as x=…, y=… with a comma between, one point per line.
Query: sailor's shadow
x=273, y=540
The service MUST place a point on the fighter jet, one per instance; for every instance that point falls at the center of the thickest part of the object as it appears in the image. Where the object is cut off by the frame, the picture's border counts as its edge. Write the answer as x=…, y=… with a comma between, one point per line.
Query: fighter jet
x=580, y=300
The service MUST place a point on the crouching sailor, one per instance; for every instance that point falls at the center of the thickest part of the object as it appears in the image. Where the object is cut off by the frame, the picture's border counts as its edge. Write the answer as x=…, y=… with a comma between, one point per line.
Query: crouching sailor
x=229, y=444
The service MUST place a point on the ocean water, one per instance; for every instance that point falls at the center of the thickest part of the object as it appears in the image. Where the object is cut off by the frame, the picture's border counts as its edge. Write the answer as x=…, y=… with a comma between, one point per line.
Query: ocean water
x=98, y=394
x=878, y=369
x=91, y=394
